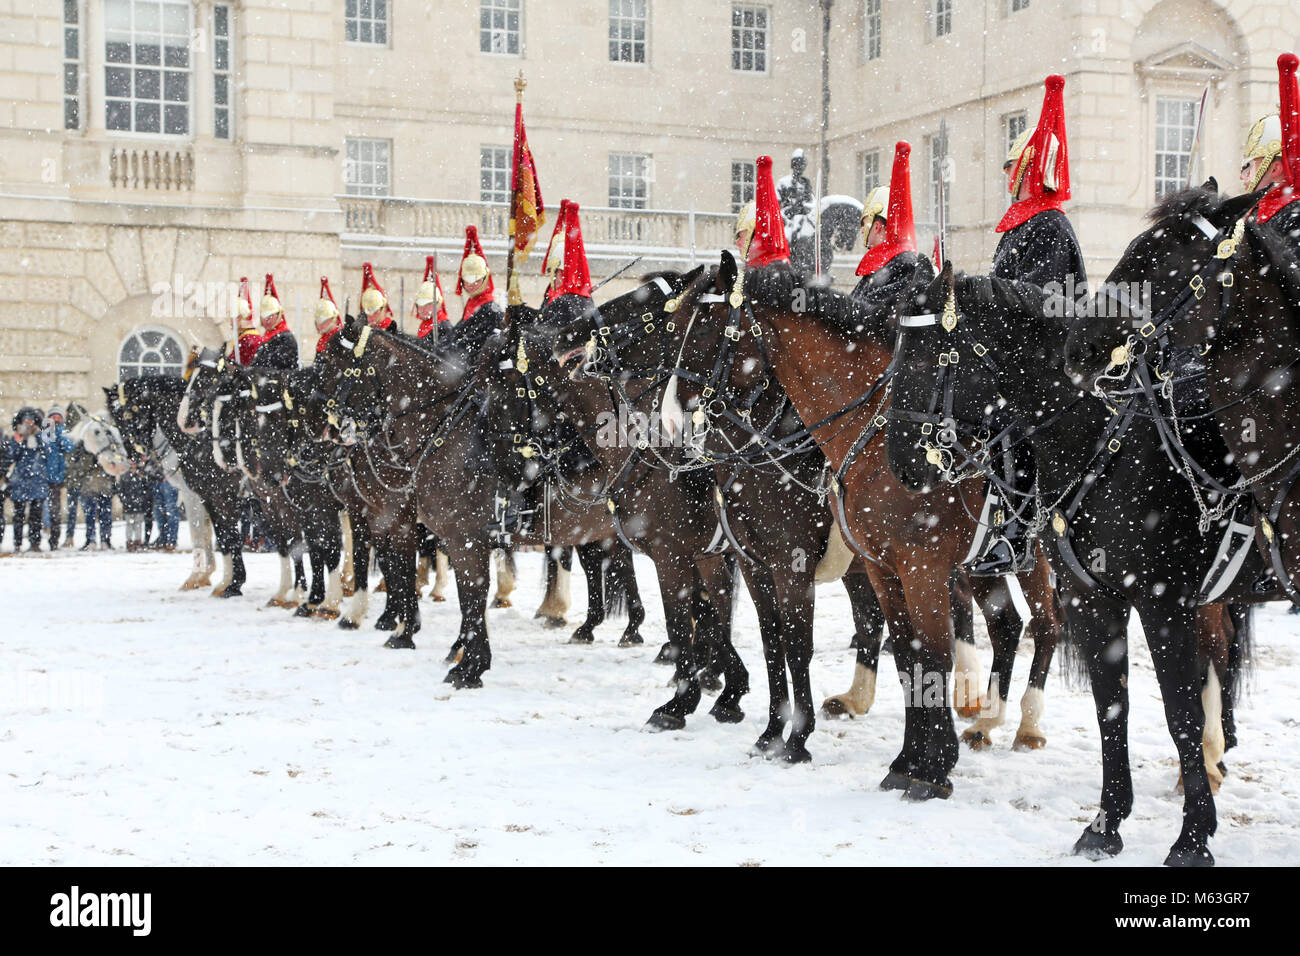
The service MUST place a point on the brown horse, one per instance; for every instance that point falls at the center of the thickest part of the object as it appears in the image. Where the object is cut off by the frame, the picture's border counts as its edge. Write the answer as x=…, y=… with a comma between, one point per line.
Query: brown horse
x=913, y=544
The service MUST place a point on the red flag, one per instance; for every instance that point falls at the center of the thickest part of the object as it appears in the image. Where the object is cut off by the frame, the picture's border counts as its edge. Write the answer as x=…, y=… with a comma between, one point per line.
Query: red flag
x=526, y=192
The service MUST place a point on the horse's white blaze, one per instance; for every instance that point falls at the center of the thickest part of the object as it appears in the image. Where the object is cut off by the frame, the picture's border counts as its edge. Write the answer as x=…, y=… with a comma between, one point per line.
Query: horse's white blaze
x=360, y=603
x=965, y=675
x=1032, y=706
x=440, y=576
x=333, y=590
x=1212, y=739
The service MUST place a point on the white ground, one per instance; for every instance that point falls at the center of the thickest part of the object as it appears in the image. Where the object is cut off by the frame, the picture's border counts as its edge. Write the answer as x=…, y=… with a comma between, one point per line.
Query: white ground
x=146, y=726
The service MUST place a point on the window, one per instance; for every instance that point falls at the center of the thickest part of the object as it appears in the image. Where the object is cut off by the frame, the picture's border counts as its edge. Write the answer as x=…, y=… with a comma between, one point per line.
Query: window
x=627, y=30
x=868, y=171
x=1013, y=124
x=499, y=26
x=366, y=171
x=494, y=173
x=1015, y=6
x=366, y=21
x=742, y=183
x=147, y=66
x=748, y=38
x=629, y=180
x=1175, y=127
x=71, y=65
x=221, y=33
x=937, y=150
x=939, y=13
x=873, y=30
x=150, y=350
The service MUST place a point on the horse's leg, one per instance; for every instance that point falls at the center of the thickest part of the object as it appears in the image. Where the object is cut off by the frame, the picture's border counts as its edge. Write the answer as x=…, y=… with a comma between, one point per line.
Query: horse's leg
x=869, y=625
x=1213, y=635
x=196, y=516
x=592, y=558
x=622, y=579
x=385, y=558
x=1100, y=625
x=238, y=573
x=1004, y=625
x=1046, y=623
x=360, y=557
x=440, y=568
x=504, y=559
x=401, y=588
x=889, y=590
x=299, y=579
x=471, y=560
x=929, y=593
x=721, y=579
x=348, y=575
x=762, y=590
x=707, y=642
x=1171, y=637
x=676, y=584
x=796, y=593
x=555, y=605
x=966, y=681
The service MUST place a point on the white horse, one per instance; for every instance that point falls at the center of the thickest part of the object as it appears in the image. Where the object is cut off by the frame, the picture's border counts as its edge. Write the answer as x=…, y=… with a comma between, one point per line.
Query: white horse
x=99, y=436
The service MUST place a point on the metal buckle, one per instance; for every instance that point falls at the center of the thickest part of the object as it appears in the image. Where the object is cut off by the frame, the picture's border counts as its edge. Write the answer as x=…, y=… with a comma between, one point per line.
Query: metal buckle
x=1227, y=280
x=1113, y=445
x=733, y=332
x=1149, y=329
x=708, y=391
x=1198, y=285
x=927, y=428
x=980, y=350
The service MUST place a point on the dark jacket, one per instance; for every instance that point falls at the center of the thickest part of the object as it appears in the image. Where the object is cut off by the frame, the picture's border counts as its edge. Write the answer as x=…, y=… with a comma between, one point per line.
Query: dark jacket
x=1041, y=250
x=1286, y=223
x=866, y=309
x=468, y=336
x=27, y=481
x=135, y=488
x=279, y=352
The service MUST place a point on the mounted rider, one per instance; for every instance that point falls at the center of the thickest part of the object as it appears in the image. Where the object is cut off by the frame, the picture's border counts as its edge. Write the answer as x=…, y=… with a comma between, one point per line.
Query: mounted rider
x=474, y=280
x=1038, y=247
x=374, y=301
x=278, y=349
x=249, y=337
x=430, y=306
x=328, y=318
x=1272, y=157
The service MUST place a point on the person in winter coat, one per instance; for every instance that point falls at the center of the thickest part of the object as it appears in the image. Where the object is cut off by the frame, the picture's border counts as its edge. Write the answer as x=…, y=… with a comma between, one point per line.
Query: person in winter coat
x=167, y=514
x=27, y=482
x=4, y=484
x=97, y=503
x=57, y=445
x=136, y=491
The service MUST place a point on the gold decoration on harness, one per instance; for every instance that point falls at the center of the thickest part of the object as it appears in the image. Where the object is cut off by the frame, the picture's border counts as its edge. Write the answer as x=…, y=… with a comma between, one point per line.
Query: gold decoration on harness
x=671, y=305
x=1267, y=528
x=521, y=358
x=933, y=455
x=1118, y=356
x=950, y=313
x=1058, y=524
x=362, y=339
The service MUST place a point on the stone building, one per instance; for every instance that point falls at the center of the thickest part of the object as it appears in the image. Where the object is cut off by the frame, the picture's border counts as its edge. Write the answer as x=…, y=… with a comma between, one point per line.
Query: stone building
x=153, y=151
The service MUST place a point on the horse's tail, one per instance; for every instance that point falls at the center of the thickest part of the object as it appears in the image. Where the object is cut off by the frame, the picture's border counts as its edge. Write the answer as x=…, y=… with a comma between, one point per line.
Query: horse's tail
x=1074, y=652
x=1241, y=648
x=617, y=574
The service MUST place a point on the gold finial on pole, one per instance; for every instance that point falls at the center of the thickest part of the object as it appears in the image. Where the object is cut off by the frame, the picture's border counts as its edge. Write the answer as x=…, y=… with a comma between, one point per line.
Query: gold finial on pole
x=520, y=83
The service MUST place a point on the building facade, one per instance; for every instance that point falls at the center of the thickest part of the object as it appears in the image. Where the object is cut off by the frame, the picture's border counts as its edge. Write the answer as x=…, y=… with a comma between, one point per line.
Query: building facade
x=153, y=151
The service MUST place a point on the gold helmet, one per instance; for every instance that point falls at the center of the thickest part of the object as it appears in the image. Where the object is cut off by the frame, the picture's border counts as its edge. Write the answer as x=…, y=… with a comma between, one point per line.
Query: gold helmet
x=1019, y=156
x=555, y=255
x=746, y=223
x=270, y=305
x=326, y=310
x=473, y=268
x=1264, y=144
x=428, y=293
x=245, y=309
x=876, y=207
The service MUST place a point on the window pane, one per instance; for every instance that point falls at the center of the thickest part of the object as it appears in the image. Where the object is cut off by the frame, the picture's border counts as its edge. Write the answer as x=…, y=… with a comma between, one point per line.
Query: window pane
x=146, y=84
x=148, y=118
x=117, y=115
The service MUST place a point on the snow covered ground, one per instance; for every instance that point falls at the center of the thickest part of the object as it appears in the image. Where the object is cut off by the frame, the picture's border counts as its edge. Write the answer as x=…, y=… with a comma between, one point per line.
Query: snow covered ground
x=142, y=725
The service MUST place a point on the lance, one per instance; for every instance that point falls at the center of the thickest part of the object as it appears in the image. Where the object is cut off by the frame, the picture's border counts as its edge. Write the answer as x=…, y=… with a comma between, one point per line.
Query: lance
x=943, y=175
x=817, y=231
x=401, y=300
x=615, y=275
x=436, y=323
x=1196, y=135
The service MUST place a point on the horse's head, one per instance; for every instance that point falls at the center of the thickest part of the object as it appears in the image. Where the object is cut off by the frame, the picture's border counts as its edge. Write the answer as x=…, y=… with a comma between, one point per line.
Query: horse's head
x=206, y=374
x=349, y=391
x=1168, y=281
x=131, y=407
x=101, y=438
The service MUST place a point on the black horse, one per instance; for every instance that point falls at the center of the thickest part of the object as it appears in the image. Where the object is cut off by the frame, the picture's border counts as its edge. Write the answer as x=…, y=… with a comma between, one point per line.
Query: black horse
x=142, y=407
x=1123, y=525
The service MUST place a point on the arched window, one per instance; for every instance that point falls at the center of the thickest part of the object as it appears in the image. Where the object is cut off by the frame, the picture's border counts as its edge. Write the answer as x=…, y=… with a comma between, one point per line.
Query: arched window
x=150, y=350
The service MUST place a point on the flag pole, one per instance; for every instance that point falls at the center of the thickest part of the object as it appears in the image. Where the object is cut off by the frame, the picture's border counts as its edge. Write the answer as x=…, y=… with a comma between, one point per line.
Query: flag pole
x=513, y=296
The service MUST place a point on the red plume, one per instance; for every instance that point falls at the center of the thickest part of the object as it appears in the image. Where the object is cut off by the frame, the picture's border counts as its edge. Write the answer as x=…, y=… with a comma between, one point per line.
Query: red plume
x=1048, y=174
x=900, y=227
x=577, y=276
x=1285, y=192
x=769, y=244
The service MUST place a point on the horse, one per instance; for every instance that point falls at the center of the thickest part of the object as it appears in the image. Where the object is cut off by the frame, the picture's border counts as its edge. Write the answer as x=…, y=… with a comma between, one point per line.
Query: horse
x=99, y=437
x=630, y=351
x=146, y=408
x=1123, y=526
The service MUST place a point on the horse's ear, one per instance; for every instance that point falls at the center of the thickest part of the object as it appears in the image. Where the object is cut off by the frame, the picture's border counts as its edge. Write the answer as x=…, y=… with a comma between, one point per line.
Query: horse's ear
x=726, y=275
x=1234, y=208
x=1211, y=185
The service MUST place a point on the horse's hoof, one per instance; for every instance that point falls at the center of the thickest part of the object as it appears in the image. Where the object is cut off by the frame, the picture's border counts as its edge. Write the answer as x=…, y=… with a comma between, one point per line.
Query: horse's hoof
x=726, y=714
x=630, y=640
x=502, y=602
x=580, y=637
x=325, y=613
x=1098, y=846
x=553, y=621
x=1194, y=857
x=667, y=654
x=304, y=610
x=795, y=754
x=710, y=682
x=194, y=585
x=976, y=739
x=969, y=709
x=348, y=624
x=767, y=745
x=895, y=781
x=839, y=706
x=1029, y=742
x=232, y=591
x=919, y=791
x=385, y=623
x=461, y=680
x=400, y=643
x=660, y=720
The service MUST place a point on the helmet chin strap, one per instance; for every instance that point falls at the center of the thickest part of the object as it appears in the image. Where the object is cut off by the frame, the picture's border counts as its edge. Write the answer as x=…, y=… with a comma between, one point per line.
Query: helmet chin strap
x=1260, y=173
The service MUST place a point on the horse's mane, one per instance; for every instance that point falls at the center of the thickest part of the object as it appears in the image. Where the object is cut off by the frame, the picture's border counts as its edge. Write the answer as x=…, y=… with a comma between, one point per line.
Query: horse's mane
x=1193, y=201
x=163, y=384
